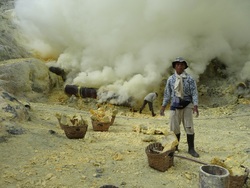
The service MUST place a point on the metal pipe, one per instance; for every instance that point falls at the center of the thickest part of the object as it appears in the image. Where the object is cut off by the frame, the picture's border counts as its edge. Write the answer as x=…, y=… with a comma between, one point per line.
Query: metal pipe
x=82, y=92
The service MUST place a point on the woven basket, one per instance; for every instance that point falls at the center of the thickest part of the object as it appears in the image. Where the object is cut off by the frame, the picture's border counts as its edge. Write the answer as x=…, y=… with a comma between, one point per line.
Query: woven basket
x=75, y=132
x=100, y=126
x=108, y=186
x=238, y=181
x=159, y=161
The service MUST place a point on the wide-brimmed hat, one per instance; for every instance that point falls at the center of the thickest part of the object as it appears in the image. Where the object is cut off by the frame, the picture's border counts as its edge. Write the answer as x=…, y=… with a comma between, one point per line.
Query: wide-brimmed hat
x=179, y=60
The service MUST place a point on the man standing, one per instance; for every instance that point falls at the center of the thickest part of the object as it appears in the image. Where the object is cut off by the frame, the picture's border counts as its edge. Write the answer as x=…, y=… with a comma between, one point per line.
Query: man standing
x=181, y=91
x=149, y=100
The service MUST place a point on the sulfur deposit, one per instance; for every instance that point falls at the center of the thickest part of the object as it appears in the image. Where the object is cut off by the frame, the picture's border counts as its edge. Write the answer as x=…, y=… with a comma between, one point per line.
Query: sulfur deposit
x=75, y=120
x=102, y=115
x=170, y=141
x=232, y=163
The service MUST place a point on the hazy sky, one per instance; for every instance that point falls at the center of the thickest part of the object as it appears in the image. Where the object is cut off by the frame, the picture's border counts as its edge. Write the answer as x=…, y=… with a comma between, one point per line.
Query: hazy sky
x=125, y=47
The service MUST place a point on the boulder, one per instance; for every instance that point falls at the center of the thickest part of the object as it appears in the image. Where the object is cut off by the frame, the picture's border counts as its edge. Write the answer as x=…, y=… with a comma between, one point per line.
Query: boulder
x=27, y=78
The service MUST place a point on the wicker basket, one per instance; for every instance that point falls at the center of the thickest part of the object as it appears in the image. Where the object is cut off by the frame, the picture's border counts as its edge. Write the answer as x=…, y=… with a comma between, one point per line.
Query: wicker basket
x=100, y=126
x=238, y=181
x=75, y=132
x=108, y=186
x=159, y=161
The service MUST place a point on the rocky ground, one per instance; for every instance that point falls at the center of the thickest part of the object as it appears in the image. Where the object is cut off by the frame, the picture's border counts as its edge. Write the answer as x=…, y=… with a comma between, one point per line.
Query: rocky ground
x=36, y=152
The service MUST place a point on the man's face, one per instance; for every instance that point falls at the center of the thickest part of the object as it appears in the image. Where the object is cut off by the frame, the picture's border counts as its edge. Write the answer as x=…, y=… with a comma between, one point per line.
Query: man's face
x=179, y=67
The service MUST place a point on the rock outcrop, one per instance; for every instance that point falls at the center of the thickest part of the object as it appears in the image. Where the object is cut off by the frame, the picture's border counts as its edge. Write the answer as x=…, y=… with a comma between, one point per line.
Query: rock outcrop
x=27, y=78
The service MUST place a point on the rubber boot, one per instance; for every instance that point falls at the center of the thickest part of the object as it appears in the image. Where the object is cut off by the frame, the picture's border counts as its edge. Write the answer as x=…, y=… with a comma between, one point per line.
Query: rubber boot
x=178, y=138
x=141, y=109
x=153, y=114
x=191, y=150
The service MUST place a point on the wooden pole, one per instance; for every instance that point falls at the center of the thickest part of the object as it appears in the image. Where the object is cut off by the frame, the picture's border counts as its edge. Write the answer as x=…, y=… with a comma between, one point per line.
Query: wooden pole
x=190, y=159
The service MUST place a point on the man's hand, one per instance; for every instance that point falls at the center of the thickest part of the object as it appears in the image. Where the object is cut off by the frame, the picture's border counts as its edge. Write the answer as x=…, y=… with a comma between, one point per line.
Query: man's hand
x=195, y=110
x=162, y=111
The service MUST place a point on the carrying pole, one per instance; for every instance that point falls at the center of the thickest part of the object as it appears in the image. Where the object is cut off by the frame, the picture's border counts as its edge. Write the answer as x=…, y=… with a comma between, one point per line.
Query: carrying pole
x=190, y=159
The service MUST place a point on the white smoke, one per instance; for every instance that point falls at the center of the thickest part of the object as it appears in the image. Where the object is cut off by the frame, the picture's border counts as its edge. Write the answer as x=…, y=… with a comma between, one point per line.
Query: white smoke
x=124, y=47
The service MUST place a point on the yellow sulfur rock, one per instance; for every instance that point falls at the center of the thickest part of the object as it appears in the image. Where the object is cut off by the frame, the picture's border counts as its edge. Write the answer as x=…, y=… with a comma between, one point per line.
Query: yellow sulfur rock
x=114, y=112
x=105, y=119
x=170, y=141
x=101, y=115
x=232, y=164
x=75, y=120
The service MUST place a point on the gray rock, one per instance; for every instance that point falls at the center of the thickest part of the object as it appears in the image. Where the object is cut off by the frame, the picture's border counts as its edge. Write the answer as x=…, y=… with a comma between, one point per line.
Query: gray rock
x=12, y=109
x=27, y=78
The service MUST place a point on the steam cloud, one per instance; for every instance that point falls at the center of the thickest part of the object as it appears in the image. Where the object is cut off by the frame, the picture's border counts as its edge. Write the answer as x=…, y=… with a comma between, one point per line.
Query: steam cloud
x=125, y=47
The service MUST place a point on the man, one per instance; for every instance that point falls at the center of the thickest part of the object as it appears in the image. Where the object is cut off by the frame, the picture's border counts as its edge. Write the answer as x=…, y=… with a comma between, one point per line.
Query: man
x=149, y=100
x=181, y=91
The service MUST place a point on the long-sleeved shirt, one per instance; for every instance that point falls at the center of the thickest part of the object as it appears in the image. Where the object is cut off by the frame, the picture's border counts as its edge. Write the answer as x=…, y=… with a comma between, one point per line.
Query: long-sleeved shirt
x=189, y=89
x=150, y=97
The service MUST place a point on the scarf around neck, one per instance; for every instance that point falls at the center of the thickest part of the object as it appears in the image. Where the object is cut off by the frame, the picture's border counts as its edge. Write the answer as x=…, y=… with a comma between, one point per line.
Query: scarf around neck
x=178, y=86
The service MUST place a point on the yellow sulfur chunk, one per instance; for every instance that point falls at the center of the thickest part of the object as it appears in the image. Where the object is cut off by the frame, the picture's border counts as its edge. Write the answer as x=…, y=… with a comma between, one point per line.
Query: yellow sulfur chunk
x=170, y=141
